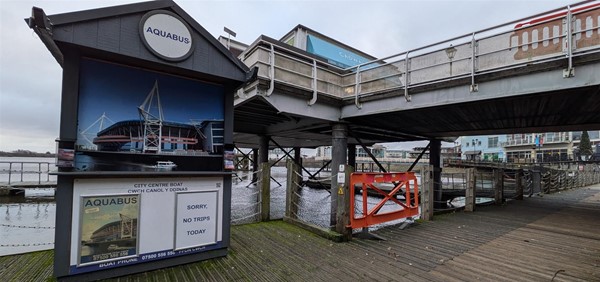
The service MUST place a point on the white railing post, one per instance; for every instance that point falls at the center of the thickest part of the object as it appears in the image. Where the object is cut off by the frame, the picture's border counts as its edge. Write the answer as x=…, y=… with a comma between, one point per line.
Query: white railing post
x=314, y=84
x=569, y=72
x=357, y=87
x=406, y=96
x=9, y=172
x=474, y=87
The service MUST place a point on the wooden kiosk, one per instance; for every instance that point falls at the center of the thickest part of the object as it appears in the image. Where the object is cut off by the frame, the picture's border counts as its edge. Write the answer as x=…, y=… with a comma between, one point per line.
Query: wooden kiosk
x=146, y=139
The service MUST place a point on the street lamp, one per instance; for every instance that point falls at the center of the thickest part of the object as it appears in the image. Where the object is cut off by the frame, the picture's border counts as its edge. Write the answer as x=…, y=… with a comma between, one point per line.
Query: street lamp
x=450, y=52
x=230, y=33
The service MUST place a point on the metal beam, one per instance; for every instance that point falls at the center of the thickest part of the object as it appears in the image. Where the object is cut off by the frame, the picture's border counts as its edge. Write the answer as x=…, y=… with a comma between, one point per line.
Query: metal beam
x=367, y=151
x=291, y=157
x=419, y=157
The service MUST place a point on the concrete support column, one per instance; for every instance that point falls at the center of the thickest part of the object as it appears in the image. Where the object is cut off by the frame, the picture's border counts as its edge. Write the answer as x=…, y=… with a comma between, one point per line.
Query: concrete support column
x=352, y=155
x=470, y=195
x=339, y=145
x=435, y=157
x=499, y=186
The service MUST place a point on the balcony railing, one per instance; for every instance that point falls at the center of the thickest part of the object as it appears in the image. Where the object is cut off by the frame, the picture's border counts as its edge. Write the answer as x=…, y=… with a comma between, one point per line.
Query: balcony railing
x=523, y=43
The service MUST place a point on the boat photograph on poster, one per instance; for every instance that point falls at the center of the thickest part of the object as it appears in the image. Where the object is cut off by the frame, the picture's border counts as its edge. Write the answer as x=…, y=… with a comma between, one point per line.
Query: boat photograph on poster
x=137, y=120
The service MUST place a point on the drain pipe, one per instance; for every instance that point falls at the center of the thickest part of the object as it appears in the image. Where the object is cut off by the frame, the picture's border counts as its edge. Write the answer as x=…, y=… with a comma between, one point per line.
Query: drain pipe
x=271, y=71
x=357, y=87
x=314, y=84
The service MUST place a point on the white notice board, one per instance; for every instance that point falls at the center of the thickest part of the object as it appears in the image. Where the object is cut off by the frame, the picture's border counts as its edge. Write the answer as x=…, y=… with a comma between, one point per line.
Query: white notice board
x=196, y=219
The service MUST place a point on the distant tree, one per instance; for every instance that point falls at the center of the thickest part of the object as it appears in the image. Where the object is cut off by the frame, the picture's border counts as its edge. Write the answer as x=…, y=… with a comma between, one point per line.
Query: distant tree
x=585, y=146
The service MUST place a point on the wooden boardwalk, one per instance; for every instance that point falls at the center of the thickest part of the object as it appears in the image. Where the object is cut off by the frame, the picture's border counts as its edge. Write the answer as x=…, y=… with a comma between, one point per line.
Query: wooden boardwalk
x=538, y=239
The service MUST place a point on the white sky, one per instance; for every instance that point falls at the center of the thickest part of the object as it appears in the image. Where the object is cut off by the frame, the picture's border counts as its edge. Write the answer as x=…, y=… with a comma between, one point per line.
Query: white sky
x=30, y=78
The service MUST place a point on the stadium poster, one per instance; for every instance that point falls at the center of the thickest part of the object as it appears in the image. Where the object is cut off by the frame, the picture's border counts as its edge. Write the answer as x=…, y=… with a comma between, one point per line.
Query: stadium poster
x=131, y=119
x=108, y=228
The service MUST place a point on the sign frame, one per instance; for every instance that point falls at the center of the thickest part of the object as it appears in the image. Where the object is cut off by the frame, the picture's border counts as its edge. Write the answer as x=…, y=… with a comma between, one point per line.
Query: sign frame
x=153, y=50
x=216, y=219
x=81, y=224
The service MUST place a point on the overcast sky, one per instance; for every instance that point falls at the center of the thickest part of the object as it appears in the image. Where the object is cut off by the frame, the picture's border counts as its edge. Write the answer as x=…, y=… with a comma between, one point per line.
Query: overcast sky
x=30, y=78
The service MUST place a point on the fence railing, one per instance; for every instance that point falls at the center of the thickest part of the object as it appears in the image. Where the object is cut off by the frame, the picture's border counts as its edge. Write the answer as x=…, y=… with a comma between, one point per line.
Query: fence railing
x=19, y=172
x=513, y=184
x=563, y=34
x=312, y=208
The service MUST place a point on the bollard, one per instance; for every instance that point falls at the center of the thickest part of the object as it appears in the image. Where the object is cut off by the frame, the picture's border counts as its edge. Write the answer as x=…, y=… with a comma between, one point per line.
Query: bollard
x=470, y=195
x=265, y=191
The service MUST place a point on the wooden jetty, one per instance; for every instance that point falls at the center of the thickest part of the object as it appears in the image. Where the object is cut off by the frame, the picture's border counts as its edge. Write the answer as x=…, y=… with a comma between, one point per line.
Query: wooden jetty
x=18, y=188
x=538, y=239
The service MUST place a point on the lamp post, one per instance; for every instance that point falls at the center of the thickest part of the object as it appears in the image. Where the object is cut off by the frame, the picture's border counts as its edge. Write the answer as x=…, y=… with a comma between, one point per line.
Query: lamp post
x=450, y=52
x=229, y=34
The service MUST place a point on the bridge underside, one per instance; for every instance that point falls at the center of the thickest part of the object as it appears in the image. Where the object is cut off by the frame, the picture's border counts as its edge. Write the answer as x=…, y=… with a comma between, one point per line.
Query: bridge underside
x=537, y=102
x=256, y=117
x=561, y=110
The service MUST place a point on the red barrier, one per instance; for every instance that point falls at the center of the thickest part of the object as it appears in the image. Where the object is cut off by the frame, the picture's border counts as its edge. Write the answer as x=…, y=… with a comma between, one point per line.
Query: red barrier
x=403, y=183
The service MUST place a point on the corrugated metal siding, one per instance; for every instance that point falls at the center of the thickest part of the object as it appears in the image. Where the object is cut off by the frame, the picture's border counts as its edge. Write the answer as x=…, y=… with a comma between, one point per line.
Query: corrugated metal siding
x=121, y=35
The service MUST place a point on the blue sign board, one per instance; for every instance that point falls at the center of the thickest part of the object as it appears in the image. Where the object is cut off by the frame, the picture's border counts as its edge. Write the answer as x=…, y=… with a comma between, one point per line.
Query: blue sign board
x=334, y=54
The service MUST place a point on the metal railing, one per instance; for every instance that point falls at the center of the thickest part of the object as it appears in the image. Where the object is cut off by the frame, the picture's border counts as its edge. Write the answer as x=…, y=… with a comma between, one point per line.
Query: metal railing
x=499, y=48
x=19, y=172
x=245, y=206
x=560, y=138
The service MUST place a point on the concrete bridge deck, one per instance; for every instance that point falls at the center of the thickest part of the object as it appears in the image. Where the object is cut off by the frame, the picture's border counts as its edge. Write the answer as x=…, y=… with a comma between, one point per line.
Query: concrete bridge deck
x=531, y=240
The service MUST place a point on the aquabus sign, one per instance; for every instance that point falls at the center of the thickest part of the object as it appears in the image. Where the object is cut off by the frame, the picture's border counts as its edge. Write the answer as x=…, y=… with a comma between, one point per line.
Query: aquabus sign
x=166, y=35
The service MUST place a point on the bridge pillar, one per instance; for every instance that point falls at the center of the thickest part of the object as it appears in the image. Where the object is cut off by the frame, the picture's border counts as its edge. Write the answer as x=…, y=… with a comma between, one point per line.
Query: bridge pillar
x=352, y=155
x=254, y=165
x=263, y=149
x=435, y=157
x=298, y=159
x=339, y=146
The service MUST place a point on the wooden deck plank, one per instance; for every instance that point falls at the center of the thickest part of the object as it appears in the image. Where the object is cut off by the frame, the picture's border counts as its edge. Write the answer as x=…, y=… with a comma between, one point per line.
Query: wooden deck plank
x=526, y=240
